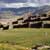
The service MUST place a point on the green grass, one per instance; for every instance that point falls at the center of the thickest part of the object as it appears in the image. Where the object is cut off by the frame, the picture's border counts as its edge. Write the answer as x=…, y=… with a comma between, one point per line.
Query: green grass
x=26, y=37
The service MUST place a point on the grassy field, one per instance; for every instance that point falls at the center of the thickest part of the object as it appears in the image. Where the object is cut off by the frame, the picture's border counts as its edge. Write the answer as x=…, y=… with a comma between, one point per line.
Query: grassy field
x=26, y=37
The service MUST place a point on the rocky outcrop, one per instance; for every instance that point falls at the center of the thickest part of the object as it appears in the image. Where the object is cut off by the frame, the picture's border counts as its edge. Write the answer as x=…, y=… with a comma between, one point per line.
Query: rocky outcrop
x=41, y=47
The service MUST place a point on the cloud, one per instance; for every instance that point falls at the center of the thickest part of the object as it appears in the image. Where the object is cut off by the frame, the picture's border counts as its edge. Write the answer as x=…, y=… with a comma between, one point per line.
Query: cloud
x=18, y=5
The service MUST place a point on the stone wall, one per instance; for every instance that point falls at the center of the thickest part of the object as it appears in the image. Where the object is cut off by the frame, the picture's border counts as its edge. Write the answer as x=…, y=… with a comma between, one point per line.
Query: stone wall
x=29, y=22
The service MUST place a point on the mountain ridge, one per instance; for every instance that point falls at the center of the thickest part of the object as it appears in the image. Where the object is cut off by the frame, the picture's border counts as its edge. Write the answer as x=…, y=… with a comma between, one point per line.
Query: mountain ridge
x=23, y=10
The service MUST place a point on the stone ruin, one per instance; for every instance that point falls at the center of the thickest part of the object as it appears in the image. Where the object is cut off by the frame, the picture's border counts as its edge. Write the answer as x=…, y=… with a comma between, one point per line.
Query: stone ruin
x=28, y=21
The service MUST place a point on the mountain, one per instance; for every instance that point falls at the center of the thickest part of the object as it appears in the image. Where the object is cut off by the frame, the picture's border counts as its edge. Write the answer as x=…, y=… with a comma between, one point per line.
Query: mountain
x=42, y=9
x=19, y=11
x=22, y=10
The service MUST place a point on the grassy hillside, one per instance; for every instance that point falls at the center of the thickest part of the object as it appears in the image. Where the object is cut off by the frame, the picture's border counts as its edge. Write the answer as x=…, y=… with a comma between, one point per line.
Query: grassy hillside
x=26, y=37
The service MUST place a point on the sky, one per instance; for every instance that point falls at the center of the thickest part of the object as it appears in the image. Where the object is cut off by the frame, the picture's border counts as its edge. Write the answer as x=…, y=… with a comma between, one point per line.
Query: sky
x=21, y=3
x=15, y=1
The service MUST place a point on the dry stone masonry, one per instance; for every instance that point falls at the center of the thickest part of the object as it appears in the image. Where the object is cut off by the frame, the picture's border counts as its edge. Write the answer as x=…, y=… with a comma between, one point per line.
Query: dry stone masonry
x=30, y=21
